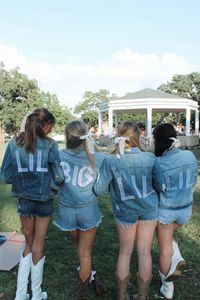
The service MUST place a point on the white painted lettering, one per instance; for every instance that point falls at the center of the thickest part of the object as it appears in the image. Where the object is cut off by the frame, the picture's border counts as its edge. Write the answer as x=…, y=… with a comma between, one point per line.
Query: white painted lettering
x=39, y=163
x=121, y=189
x=19, y=166
x=82, y=177
x=85, y=173
x=66, y=170
x=30, y=163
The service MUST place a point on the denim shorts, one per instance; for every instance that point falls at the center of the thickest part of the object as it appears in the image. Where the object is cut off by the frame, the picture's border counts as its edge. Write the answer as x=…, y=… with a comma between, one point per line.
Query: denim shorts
x=151, y=215
x=180, y=216
x=35, y=208
x=78, y=218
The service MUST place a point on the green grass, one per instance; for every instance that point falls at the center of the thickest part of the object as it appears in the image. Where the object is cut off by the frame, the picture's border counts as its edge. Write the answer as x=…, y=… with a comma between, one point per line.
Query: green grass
x=60, y=273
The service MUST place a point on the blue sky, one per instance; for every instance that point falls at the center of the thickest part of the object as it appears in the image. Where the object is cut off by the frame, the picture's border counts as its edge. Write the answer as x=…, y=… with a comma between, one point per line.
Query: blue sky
x=73, y=46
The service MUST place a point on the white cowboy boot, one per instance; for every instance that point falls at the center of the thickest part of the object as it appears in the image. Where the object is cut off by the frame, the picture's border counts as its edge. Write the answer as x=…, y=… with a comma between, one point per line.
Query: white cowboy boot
x=22, y=277
x=36, y=280
x=178, y=264
x=167, y=288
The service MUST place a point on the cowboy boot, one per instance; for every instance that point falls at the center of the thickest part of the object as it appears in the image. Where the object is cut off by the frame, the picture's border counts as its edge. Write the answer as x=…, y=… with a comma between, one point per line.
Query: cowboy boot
x=22, y=277
x=167, y=288
x=99, y=286
x=36, y=280
x=122, y=287
x=81, y=289
x=143, y=287
x=178, y=264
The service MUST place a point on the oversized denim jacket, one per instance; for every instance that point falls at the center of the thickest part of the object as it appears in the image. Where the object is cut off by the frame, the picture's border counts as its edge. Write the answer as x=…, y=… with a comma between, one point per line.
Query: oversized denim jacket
x=79, y=178
x=32, y=175
x=132, y=180
x=180, y=170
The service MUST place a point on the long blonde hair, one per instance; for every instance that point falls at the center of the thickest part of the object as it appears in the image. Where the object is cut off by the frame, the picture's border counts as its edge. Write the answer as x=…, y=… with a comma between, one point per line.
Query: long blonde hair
x=132, y=132
x=73, y=131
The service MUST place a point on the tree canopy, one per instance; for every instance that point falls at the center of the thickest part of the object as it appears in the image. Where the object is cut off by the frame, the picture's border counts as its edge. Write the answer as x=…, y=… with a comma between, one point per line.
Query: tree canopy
x=19, y=95
x=187, y=86
x=88, y=108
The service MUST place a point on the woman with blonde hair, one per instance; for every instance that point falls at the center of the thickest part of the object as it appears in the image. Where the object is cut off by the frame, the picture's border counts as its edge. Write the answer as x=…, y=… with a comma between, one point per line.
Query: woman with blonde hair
x=132, y=177
x=78, y=211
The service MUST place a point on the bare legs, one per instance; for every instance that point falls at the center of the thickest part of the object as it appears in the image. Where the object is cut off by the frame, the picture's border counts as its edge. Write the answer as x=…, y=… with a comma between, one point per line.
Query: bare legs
x=126, y=237
x=84, y=241
x=143, y=231
x=165, y=237
x=34, y=229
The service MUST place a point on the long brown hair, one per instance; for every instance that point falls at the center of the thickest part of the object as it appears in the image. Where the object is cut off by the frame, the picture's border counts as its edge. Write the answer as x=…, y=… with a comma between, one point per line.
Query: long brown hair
x=130, y=130
x=73, y=131
x=34, y=127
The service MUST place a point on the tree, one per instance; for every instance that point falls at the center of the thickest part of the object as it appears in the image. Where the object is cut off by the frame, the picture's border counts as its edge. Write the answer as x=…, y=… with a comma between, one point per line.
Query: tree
x=88, y=108
x=140, y=118
x=187, y=86
x=61, y=113
x=19, y=95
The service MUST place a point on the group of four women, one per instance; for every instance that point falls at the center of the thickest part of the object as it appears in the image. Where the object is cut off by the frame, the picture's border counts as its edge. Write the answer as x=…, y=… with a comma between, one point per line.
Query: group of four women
x=148, y=191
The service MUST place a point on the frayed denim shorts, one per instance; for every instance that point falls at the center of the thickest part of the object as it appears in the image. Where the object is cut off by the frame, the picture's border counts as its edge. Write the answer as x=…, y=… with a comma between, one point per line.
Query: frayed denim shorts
x=130, y=219
x=180, y=216
x=78, y=218
x=32, y=208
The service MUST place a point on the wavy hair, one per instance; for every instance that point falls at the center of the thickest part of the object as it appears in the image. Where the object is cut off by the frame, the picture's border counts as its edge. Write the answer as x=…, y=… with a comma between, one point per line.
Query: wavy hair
x=73, y=131
x=131, y=130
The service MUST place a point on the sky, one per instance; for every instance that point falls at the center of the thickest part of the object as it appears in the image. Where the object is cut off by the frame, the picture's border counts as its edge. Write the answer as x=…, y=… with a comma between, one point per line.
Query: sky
x=72, y=46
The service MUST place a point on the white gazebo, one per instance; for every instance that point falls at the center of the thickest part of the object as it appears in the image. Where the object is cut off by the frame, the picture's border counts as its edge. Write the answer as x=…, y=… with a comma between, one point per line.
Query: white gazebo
x=148, y=101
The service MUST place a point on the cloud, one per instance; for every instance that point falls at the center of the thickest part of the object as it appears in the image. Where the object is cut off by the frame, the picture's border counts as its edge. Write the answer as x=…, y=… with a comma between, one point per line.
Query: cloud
x=126, y=71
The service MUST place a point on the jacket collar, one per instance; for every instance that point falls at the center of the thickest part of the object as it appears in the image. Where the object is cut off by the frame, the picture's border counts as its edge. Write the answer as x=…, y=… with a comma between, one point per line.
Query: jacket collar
x=171, y=151
x=134, y=150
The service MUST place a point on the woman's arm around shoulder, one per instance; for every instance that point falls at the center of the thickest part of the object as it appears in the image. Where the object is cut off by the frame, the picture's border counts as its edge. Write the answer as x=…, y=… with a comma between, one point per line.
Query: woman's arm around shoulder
x=159, y=182
x=55, y=167
x=104, y=178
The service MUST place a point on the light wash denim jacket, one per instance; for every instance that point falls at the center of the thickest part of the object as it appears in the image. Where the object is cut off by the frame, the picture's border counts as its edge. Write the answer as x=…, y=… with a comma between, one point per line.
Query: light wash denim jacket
x=32, y=175
x=132, y=181
x=180, y=170
x=79, y=178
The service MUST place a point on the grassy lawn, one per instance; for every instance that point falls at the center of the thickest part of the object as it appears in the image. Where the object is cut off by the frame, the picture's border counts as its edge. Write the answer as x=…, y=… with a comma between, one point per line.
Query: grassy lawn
x=61, y=261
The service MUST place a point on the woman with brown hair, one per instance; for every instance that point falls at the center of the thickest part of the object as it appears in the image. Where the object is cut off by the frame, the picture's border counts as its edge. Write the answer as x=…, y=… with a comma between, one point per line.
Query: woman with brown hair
x=32, y=165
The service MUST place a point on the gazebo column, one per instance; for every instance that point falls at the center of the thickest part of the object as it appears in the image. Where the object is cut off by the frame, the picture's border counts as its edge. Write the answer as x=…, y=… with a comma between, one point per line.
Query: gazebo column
x=178, y=117
x=99, y=122
x=149, y=122
x=196, y=122
x=116, y=120
x=110, y=121
x=188, y=116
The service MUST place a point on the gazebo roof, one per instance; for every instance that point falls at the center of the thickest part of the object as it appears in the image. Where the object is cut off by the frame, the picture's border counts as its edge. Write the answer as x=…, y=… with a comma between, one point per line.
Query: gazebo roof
x=149, y=101
x=149, y=93
x=141, y=100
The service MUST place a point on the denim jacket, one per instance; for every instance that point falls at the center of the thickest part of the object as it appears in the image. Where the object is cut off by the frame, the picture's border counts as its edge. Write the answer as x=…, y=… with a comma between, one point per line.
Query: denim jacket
x=180, y=171
x=132, y=181
x=79, y=178
x=32, y=175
